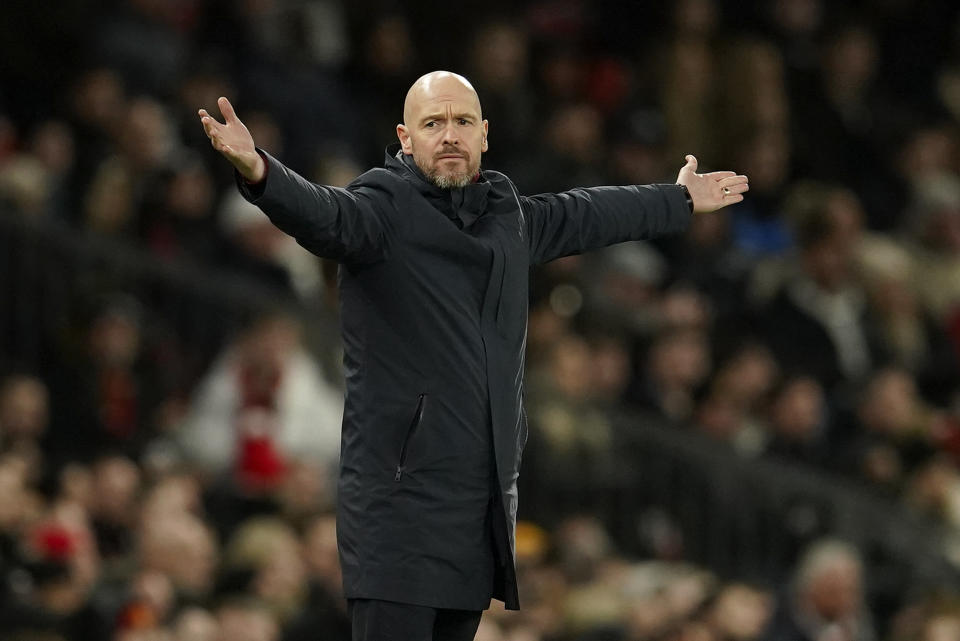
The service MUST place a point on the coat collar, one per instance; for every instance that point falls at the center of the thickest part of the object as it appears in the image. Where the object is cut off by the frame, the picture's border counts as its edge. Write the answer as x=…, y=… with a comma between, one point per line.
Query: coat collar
x=468, y=202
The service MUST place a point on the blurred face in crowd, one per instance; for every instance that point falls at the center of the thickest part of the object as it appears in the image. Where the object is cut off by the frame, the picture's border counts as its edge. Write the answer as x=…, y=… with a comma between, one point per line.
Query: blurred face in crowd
x=829, y=581
x=720, y=417
x=747, y=376
x=240, y=622
x=890, y=405
x=196, y=624
x=443, y=129
x=835, y=592
x=183, y=548
x=115, y=339
x=680, y=358
x=830, y=260
x=570, y=363
x=116, y=481
x=741, y=612
x=500, y=56
x=23, y=408
x=851, y=59
x=576, y=132
x=798, y=410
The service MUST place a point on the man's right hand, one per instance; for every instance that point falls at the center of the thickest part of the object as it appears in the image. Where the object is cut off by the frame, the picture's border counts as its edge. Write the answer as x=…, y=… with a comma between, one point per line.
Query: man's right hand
x=234, y=141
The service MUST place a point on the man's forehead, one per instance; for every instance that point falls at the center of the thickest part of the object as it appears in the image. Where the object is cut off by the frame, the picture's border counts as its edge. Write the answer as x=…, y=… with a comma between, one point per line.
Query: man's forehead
x=438, y=89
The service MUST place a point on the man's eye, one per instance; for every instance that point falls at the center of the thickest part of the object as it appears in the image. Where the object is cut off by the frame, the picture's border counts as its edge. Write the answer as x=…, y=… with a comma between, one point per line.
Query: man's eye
x=430, y=124
x=463, y=121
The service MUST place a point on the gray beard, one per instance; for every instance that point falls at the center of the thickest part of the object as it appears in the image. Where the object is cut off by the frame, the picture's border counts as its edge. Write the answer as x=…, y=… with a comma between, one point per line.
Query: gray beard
x=450, y=181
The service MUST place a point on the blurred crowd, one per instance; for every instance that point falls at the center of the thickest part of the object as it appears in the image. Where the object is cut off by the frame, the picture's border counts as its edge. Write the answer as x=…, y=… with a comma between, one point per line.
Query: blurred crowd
x=817, y=322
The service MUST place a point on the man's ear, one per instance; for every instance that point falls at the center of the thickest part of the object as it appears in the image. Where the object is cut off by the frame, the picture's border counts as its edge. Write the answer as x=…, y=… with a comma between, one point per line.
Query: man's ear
x=483, y=144
x=405, y=143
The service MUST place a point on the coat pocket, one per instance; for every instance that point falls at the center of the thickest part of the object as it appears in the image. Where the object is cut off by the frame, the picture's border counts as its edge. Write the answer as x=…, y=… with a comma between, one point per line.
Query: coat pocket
x=414, y=425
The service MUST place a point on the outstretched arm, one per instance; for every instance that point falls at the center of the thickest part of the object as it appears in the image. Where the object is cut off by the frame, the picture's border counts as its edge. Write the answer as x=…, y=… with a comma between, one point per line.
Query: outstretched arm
x=342, y=224
x=580, y=220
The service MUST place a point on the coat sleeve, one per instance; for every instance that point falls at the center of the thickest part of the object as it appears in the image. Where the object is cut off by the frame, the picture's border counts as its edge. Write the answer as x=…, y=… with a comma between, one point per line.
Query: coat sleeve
x=345, y=224
x=579, y=220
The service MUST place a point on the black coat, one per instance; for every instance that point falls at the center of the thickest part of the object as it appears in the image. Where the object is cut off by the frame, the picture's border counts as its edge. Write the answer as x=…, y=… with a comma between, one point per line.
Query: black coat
x=434, y=322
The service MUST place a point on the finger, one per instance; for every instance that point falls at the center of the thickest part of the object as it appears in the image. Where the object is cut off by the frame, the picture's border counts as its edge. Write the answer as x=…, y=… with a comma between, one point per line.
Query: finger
x=735, y=189
x=720, y=175
x=691, y=162
x=227, y=110
x=733, y=180
x=203, y=113
x=210, y=126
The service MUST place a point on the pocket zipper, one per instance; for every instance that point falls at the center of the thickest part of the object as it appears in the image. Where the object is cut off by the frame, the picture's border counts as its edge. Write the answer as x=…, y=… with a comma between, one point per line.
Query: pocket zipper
x=414, y=424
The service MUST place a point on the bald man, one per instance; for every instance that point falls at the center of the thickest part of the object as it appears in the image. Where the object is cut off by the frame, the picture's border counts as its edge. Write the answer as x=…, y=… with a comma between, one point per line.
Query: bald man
x=434, y=257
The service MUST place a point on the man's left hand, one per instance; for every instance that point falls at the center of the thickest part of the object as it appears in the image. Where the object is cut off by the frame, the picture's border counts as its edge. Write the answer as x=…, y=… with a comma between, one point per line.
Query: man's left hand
x=711, y=191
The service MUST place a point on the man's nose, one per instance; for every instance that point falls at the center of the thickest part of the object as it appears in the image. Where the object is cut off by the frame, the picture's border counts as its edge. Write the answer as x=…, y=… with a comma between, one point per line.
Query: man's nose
x=450, y=135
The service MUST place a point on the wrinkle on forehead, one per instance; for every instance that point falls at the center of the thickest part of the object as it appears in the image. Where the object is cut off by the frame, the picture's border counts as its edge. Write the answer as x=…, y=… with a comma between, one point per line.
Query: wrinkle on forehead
x=438, y=86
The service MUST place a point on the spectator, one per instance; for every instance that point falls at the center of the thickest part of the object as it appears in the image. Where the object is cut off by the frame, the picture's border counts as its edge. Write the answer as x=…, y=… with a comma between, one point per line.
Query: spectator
x=115, y=490
x=817, y=322
x=934, y=491
x=937, y=216
x=677, y=364
x=825, y=600
x=325, y=607
x=264, y=254
x=263, y=403
x=897, y=431
x=912, y=337
x=499, y=59
x=566, y=421
x=196, y=624
x=182, y=547
x=110, y=389
x=740, y=612
x=26, y=185
x=52, y=143
x=850, y=112
x=268, y=551
x=24, y=419
x=246, y=619
x=799, y=424
x=569, y=153
x=180, y=223
x=62, y=562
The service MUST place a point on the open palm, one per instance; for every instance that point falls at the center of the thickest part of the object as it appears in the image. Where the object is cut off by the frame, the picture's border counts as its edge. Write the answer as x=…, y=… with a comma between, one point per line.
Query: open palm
x=232, y=139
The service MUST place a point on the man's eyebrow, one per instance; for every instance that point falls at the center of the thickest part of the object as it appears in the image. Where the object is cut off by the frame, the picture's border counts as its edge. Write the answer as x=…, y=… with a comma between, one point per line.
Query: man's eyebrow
x=442, y=116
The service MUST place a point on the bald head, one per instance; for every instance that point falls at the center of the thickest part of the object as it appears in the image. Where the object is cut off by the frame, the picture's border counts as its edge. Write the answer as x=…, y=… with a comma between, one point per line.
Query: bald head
x=436, y=87
x=443, y=129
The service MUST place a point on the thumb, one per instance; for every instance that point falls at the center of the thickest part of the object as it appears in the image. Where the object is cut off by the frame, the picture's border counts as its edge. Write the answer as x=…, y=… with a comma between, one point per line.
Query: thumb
x=691, y=163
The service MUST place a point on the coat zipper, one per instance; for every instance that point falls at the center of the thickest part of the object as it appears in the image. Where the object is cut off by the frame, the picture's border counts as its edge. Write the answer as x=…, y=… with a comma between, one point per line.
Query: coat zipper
x=414, y=424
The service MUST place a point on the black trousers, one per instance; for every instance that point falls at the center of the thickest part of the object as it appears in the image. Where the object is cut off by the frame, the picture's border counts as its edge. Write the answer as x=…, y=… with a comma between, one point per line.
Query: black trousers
x=388, y=621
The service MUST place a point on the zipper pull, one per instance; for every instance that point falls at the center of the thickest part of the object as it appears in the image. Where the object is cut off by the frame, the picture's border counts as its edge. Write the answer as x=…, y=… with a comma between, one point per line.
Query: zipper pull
x=399, y=473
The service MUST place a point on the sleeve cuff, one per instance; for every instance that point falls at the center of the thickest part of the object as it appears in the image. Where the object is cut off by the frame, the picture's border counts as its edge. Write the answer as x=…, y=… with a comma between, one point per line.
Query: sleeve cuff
x=686, y=194
x=251, y=190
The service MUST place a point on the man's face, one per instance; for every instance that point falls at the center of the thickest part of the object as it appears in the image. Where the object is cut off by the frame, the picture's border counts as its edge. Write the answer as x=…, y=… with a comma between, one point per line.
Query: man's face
x=443, y=129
